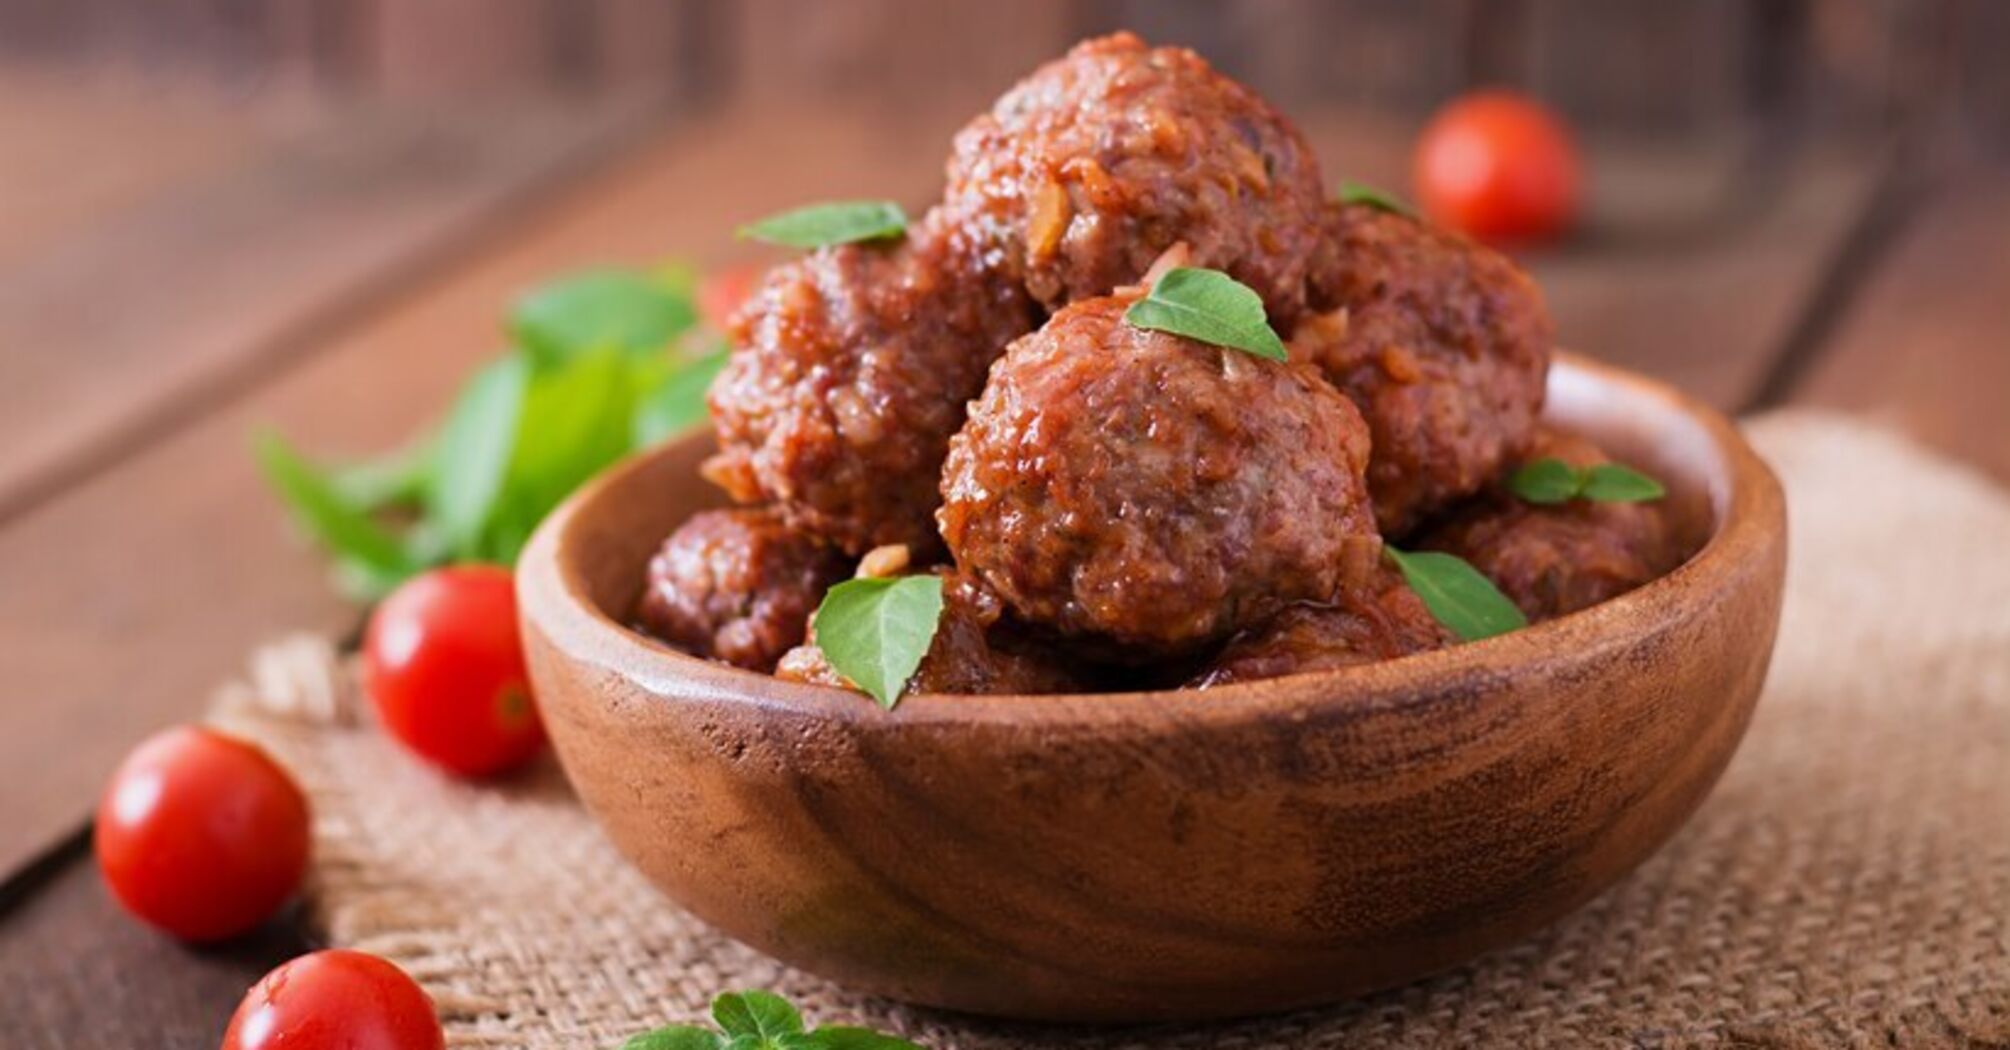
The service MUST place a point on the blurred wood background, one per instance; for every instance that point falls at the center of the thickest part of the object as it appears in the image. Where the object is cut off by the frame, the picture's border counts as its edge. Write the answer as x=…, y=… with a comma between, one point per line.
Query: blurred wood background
x=222, y=214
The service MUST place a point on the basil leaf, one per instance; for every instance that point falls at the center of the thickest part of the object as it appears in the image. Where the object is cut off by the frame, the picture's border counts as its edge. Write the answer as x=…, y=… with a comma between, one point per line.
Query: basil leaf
x=394, y=480
x=473, y=453
x=365, y=550
x=1209, y=306
x=1616, y=483
x=597, y=310
x=763, y=1015
x=1362, y=193
x=838, y=222
x=1547, y=481
x=675, y=1037
x=876, y=631
x=678, y=400
x=846, y=1037
x=1455, y=592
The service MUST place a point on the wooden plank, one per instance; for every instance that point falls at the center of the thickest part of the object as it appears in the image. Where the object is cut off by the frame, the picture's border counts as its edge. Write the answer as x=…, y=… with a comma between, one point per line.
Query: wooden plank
x=142, y=291
x=126, y=599
x=75, y=972
x=1926, y=347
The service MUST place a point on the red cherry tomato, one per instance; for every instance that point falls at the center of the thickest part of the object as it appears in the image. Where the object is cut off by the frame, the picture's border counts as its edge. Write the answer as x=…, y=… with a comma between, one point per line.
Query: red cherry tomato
x=442, y=663
x=200, y=834
x=723, y=290
x=1498, y=166
x=335, y=1000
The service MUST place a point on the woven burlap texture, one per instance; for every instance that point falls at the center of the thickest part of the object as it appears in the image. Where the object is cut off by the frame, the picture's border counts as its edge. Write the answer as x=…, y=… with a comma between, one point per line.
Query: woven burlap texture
x=1847, y=884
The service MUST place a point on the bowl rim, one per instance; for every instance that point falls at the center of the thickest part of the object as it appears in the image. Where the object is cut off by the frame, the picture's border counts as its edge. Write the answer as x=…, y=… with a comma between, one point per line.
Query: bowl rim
x=1748, y=521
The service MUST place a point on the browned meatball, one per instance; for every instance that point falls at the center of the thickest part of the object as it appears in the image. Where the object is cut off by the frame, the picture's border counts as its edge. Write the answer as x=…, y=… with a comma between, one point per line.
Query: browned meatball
x=736, y=585
x=1444, y=345
x=1380, y=621
x=1087, y=170
x=971, y=654
x=1559, y=558
x=851, y=368
x=1134, y=487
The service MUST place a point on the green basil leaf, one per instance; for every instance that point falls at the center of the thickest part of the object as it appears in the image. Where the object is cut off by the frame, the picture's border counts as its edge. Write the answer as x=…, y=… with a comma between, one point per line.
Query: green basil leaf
x=1547, y=480
x=1616, y=483
x=1209, y=306
x=1362, y=193
x=360, y=543
x=1457, y=594
x=473, y=453
x=678, y=400
x=397, y=479
x=626, y=311
x=875, y=631
x=838, y=222
x=846, y=1037
x=764, y=1015
x=576, y=419
x=676, y=1037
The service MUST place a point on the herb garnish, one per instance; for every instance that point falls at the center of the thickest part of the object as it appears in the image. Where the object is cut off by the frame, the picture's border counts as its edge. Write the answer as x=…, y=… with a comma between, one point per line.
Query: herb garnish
x=837, y=222
x=1362, y=193
x=875, y=631
x=762, y=1021
x=599, y=364
x=1457, y=594
x=1209, y=306
x=1550, y=481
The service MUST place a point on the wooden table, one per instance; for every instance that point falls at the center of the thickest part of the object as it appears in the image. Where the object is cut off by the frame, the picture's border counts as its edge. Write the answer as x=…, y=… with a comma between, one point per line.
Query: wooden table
x=341, y=293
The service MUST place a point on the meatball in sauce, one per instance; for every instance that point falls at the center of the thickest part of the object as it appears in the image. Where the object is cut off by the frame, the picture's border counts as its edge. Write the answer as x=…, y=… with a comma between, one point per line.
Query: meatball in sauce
x=1144, y=490
x=1380, y=620
x=1552, y=559
x=1443, y=344
x=1088, y=169
x=736, y=586
x=851, y=367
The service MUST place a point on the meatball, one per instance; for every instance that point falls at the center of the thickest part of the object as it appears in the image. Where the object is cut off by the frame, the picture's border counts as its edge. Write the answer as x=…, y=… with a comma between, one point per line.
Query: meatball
x=1132, y=487
x=736, y=585
x=1552, y=559
x=972, y=653
x=1444, y=345
x=1379, y=621
x=850, y=369
x=1088, y=169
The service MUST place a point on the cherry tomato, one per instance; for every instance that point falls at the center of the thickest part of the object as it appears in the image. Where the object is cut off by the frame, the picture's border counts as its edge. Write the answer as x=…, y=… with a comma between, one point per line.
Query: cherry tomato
x=442, y=663
x=200, y=834
x=723, y=290
x=1498, y=166
x=335, y=1000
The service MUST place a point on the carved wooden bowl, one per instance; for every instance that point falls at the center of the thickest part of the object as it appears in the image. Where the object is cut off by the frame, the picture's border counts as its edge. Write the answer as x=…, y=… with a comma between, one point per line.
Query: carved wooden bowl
x=1167, y=855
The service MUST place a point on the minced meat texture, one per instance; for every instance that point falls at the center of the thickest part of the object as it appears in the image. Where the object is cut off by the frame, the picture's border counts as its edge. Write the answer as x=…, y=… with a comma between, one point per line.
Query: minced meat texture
x=1552, y=559
x=1149, y=491
x=736, y=585
x=1379, y=621
x=1444, y=345
x=850, y=369
x=1090, y=168
x=972, y=653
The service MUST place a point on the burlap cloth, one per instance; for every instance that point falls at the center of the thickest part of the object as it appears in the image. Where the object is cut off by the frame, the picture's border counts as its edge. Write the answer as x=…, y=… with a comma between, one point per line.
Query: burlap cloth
x=1848, y=883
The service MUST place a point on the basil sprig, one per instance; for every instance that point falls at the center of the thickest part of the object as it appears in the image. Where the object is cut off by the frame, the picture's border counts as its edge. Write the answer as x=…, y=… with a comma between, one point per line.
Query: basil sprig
x=1550, y=481
x=1209, y=306
x=1362, y=193
x=599, y=363
x=876, y=631
x=836, y=222
x=1462, y=599
x=762, y=1021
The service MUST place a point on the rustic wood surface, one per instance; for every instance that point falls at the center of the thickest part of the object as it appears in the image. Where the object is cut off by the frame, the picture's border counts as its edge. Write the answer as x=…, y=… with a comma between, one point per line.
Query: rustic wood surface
x=138, y=581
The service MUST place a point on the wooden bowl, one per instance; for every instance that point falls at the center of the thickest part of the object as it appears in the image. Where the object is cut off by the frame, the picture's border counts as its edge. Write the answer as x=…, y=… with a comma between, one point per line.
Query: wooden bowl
x=1168, y=855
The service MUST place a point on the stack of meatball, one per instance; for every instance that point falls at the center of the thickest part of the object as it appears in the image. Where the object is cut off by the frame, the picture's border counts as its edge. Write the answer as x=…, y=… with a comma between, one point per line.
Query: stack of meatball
x=1118, y=508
